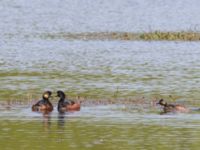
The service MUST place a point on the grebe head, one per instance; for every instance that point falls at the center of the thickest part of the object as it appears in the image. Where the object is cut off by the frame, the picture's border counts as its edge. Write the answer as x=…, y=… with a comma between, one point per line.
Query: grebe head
x=162, y=102
x=61, y=94
x=47, y=94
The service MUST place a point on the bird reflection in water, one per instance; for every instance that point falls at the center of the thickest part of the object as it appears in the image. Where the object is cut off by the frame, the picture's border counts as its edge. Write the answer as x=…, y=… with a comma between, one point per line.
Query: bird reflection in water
x=46, y=120
x=61, y=128
x=61, y=120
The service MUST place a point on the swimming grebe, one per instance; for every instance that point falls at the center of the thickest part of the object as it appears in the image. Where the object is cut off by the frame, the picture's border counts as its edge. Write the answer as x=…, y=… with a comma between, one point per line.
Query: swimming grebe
x=44, y=104
x=172, y=107
x=65, y=104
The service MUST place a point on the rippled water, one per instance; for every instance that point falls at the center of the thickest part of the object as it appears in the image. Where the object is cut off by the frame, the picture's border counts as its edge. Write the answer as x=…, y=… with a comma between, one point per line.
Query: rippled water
x=31, y=62
x=101, y=68
x=35, y=16
x=100, y=127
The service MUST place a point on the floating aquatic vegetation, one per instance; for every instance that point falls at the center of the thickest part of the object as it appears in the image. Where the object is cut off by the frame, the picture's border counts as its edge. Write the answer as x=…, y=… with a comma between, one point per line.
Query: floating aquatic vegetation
x=127, y=36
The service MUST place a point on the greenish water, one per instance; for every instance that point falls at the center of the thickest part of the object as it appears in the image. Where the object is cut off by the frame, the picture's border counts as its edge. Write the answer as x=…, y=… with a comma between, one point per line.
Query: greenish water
x=98, y=127
x=37, y=54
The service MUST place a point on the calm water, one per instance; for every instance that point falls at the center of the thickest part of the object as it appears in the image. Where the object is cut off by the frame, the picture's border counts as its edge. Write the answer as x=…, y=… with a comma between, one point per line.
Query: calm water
x=31, y=63
x=100, y=127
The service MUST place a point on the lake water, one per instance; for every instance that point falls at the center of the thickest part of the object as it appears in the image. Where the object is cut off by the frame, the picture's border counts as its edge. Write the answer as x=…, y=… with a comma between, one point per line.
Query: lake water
x=31, y=63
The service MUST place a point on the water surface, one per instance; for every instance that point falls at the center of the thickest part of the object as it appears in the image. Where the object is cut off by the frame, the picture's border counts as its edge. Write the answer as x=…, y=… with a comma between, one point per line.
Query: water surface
x=101, y=68
x=100, y=127
x=31, y=63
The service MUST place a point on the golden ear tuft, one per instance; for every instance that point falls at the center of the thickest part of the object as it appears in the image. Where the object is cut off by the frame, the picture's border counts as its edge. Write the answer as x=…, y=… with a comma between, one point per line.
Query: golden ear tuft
x=46, y=95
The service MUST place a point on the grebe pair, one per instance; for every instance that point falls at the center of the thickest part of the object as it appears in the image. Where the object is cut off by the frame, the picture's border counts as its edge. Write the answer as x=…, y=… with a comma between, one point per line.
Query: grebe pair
x=64, y=104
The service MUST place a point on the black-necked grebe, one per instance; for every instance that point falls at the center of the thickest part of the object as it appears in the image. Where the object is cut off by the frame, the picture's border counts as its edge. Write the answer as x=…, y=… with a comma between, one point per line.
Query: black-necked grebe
x=172, y=107
x=44, y=104
x=65, y=104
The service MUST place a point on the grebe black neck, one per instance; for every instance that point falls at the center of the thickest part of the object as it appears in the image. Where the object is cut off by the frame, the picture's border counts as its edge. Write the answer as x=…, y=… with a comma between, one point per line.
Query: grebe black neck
x=62, y=95
x=162, y=102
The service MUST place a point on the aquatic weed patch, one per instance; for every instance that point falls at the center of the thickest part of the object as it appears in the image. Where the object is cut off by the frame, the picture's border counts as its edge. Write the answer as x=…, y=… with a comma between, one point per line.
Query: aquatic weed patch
x=127, y=36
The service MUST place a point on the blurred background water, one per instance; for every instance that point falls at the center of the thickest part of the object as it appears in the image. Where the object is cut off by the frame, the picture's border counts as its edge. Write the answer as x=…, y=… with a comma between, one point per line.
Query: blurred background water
x=30, y=63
